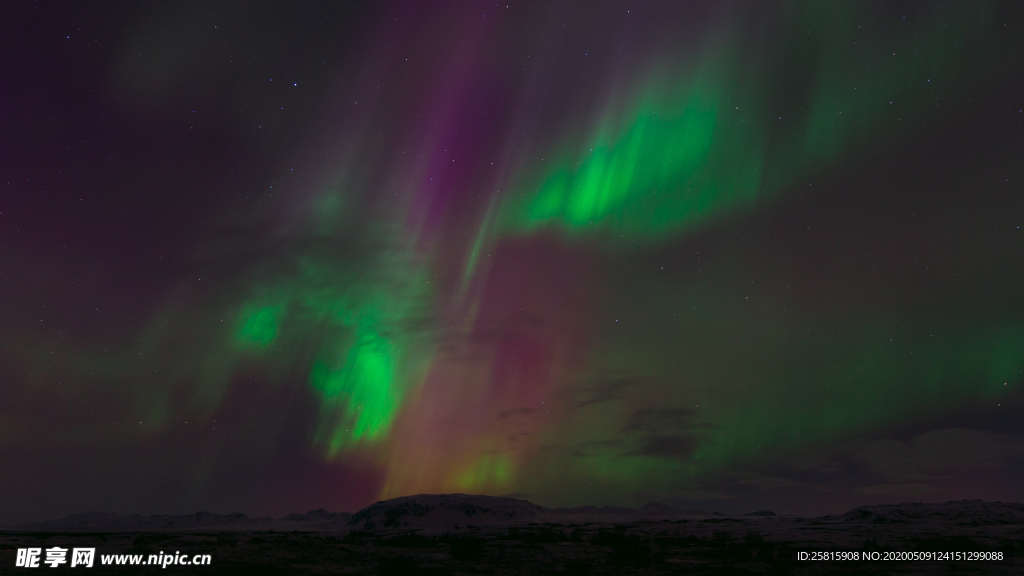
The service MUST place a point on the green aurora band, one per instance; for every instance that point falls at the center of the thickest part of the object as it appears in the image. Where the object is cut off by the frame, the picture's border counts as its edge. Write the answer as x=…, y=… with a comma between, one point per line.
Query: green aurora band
x=687, y=144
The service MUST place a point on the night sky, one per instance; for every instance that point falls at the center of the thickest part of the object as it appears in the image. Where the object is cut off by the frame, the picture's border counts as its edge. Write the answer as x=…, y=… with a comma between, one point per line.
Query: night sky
x=727, y=255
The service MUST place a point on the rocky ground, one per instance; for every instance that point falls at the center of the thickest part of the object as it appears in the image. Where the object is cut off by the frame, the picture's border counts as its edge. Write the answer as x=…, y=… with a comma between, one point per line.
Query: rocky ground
x=456, y=534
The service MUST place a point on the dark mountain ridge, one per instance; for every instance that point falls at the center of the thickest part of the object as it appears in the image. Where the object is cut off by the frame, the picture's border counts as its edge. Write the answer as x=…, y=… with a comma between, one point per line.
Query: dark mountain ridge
x=440, y=511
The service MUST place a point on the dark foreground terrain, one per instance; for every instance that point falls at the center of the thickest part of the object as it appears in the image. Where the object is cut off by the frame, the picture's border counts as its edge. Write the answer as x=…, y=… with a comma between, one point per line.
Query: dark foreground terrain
x=458, y=534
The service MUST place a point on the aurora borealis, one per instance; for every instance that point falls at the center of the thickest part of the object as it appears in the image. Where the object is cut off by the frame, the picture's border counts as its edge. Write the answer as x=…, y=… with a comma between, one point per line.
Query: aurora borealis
x=714, y=254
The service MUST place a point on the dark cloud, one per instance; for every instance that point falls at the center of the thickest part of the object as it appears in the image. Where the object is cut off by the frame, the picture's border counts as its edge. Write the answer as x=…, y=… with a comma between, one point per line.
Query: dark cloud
x=593, y=448
x=602, y=389
x=659, y=419
x=673, y=447
x=935, y=456
x=512, y=412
